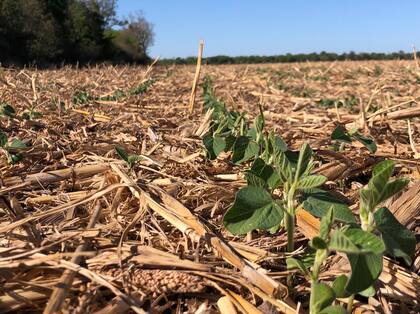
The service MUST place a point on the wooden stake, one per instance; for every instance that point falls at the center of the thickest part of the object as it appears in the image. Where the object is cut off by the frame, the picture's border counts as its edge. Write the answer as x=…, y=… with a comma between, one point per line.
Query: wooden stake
x=363, y=114
x=412, y=144
x=415, y=58
x=196, y=77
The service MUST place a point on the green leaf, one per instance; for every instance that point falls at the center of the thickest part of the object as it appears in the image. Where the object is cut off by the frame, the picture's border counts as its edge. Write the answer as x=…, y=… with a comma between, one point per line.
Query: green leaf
x=356, y=241
x=244, y=149
x=305, y=155
x=254, y=208
x=3, y=139
x=365, y=271
x=334, y=309
x=384, y=169
x=399, y=241
x=339, y=286
x=208, y=144
x=262, y=175
x=219, y=110
x=380, y=176
x=216, y=143
x=132, y=159
x=326, y=223
x=366, y=241
x=322, y=296
x=122, y=153
x=284, y=166
x=237, y=120
x=259, y=123
x=368, y=292
x=275, y=144
x=30, y=115
x=292, y=157
x=307, y=259
x=318, y=202
x=379, y=189
x=7, y=110
x=255, y=180
x=393, y=188
x=367, y=199
x=252, y=133
x=219, y=144
x=368, y=142
x=278, y=144
x=16, y=143
x=340, y=242
x=311, y=182
x=230, y=141
x=293, y=263
x=340, y=134
x=14, y=158
x=318, y=243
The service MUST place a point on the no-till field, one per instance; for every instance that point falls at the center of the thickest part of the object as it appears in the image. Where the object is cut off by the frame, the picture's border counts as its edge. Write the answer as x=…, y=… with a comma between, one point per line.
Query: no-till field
x=83, y=232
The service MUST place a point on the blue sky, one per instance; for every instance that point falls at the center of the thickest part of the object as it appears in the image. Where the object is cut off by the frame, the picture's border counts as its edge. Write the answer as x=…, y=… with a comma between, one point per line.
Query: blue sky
x=268, y=27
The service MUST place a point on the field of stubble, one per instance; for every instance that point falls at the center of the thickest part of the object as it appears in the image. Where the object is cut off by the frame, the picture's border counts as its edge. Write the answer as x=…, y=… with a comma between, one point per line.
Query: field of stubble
x=89, y=232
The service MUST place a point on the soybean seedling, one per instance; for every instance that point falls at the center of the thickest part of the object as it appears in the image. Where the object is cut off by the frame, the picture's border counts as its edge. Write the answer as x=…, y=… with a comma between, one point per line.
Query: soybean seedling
x=380, y=233
x=7, y=110
x=30, y=113
x=341, y=135
x=256, y=206
x=9, y=148
x=229, y=131
x=129, y=159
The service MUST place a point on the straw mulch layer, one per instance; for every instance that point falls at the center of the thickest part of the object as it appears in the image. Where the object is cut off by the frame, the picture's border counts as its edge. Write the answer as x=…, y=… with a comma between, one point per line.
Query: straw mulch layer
x=81, y=232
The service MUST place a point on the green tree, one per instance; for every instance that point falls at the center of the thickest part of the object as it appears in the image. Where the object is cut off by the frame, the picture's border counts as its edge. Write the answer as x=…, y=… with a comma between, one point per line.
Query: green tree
x=28, y=31
x=85, y=32
x=133, y=41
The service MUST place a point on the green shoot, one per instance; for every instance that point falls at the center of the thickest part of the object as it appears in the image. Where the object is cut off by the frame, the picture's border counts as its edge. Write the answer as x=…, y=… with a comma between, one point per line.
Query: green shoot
x=82, y=98
x=30, y=113
x=257, y=207
x=399, y=241
x=10, y=148
x=364, y=247
x=141, y=88
x=7, y=110
x=129, y=159
x=340, y=134
x=229, y=131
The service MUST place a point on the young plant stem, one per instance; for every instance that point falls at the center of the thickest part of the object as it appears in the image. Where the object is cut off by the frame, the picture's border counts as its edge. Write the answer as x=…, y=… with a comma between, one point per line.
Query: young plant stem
x=290, y=219
x=320, y=257
x=311, y=297
x=290, y=227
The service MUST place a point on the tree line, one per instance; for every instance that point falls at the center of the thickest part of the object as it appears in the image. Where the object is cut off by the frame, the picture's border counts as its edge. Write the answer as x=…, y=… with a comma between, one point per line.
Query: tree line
x=45, y=32
x=301, y=57
x=67, y=31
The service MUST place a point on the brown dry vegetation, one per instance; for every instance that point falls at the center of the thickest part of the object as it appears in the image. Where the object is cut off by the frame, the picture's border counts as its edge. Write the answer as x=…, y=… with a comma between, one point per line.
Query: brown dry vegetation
x=151, y=238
